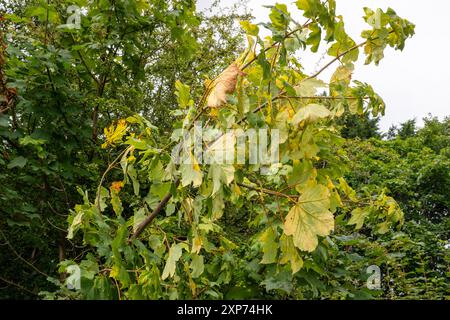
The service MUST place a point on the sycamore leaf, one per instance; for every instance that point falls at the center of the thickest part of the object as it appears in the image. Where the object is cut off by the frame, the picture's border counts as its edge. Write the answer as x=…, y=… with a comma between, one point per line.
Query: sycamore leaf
x=311, y=113
x=310, y=218
x=221, y=174
x=174, y=255
x=139, y=216
x=218, y=206
x=116, y=202
x=191, y=173
x=17, y=162
x=269, y=246
x=289, y=254
x=224, y=84
x=74, y=226
x=280, y=281
x=160, y=189
x=249, y=28
x=309, y=87
x=183, y=95
x=342, y=74
x=347, y=190
x=358, y=217
x=197, y=266
x=114, y=134
x=197, y=244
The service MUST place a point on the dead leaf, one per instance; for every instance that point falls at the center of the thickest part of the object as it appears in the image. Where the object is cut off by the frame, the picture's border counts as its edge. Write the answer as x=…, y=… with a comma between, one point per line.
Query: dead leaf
x=223, y=85
x=117, y=186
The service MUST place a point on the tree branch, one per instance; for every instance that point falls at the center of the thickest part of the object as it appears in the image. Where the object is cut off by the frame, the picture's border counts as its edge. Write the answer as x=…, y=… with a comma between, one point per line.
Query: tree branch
x=336, y=59
x=153, y=215
x=318, y=98
x=18, y=286
x=268, y=191
x=21, y=258
x=275, y=44
x=110, y=167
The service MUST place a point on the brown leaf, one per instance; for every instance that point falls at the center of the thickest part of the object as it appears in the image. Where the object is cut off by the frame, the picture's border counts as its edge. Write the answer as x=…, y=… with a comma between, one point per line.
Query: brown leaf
x=117, y=186
x=223, y=85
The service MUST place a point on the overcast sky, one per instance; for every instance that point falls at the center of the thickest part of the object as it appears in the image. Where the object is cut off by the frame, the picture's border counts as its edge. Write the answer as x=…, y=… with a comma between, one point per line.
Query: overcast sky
x=414, y=82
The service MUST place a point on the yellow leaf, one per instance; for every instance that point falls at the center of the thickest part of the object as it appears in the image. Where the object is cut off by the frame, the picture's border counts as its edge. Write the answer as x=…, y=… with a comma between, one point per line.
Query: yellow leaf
x=310, y=218
x=311, y=113
x=342, y=73
x=197, y=243
x=114, y=134
x=114, y=273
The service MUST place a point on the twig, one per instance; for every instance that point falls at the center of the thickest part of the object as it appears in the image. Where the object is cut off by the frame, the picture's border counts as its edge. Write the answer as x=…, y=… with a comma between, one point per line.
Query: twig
x=336, y=59
x=275, y=44
x=21, y=258
x=110, y=167
x=268, y=191
x=319, y=98
x=18, y=286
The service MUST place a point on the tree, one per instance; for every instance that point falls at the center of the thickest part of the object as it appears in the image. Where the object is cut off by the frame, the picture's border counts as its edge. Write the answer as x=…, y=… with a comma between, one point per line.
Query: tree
x=158, y=229
x=63, y=85
x=413, y=170
x=356, y=126
x=407, y=129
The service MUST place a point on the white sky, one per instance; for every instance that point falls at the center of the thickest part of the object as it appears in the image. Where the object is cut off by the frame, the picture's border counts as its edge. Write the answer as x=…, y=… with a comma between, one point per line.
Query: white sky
x=412, y=82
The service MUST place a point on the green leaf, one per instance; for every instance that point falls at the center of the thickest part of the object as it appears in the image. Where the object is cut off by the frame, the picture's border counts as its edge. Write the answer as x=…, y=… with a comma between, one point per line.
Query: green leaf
x=310, y=218
x=183, y=94
x=104, y=194
x=358, y=217
x=191, y=173
x=133, y=175
x=160, y=189
x=269, y=246
x=4, y=121
x=314, y=37
x=197, y=266
x=221, y=174
x=279, y=16
x=17, y=162
x=75, y=223
x=174, y=255
x=289, y=254
x=217, y=206
x=280, y=281
x=138, y=217
x=116, y=202
x=292, y=44
x=342, y=74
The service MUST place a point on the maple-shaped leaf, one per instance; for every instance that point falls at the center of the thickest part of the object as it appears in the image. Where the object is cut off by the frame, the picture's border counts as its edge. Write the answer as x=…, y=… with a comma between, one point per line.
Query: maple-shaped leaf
x=289, y=254
x=310, y=218
x=174, y=255
x=269, y=246
x=310, y=114
x=224, y=84
x=114, y=134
